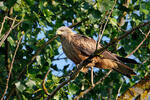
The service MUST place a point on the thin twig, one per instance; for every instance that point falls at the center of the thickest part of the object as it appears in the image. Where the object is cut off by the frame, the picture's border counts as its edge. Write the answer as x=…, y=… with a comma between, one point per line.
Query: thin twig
x=10, y=70
x=91, y=87
x=122, y=36
x=59, y=55
x=17, y=23
x=72, y=76
x=75, y=24
x=141, y=31
x=145, y=61
x=133, y=29
x=2, y=25
x=100, y=30
x=57, y=88
x=61, y=58
x=146, y=36
x=11, y=18
x=3, y=38
x=10, y=29
x=107, y=20
x=119, y=90
x=43, y=83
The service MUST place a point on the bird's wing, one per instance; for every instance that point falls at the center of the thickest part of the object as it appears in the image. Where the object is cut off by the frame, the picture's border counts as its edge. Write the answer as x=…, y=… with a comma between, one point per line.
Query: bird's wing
x=85, y=45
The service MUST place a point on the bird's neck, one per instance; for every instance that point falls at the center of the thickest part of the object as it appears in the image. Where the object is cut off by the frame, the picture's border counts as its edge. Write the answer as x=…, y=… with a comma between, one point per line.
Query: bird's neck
x=66, y=38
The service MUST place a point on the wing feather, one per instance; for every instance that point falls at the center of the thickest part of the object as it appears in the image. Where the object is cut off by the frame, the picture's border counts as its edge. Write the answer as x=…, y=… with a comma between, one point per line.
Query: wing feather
x=85, y=45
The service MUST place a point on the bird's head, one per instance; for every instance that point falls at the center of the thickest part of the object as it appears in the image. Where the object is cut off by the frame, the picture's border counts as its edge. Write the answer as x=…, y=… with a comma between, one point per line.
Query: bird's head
x=64, y=31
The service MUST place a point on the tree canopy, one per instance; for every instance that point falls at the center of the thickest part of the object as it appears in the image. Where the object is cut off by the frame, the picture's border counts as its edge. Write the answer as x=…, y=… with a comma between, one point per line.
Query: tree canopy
x=33, y=65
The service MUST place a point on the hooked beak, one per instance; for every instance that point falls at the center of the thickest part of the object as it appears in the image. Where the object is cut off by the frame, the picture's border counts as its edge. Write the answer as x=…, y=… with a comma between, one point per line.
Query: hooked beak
x=58, y=32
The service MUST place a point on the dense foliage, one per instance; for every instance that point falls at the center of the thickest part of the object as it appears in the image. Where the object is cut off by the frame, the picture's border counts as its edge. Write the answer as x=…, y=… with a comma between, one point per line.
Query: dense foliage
x=39, y=20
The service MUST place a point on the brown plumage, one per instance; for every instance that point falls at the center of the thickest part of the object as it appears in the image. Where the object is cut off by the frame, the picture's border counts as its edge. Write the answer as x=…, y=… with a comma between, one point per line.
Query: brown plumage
x=78, y=47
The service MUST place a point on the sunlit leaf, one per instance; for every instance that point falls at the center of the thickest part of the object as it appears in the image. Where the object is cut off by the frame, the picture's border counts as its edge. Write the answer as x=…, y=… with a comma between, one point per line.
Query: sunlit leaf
x=20, y=86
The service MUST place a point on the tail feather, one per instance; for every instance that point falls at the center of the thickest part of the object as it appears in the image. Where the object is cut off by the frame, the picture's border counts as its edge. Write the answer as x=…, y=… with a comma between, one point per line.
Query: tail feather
x=127, y=60
x=125, y=70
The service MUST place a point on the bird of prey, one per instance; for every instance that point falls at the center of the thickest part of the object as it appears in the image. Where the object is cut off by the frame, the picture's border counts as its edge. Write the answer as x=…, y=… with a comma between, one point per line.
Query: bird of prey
x=79, y=47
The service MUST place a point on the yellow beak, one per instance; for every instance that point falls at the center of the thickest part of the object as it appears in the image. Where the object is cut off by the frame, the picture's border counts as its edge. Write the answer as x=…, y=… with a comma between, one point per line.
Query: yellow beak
x=59, y=32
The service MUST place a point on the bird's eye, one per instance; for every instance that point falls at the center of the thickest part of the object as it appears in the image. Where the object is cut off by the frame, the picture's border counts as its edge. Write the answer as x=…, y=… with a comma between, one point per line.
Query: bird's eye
x=62, y=30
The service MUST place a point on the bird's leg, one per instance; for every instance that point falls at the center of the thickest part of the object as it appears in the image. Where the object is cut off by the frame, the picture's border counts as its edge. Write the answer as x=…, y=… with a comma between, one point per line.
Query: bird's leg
x=92, y=64
x=92, y=76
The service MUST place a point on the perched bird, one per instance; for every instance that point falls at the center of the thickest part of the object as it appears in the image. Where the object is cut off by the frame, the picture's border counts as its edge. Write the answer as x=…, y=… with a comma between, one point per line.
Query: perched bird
x=79, y=47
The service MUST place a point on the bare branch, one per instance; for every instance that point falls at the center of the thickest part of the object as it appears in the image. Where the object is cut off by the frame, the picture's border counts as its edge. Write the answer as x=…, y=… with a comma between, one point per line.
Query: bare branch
x=75, y=24
x=3, y=39
x=119, y=90
x=18, y=23
x=100, y=30
x=146, y=36
x=121, y=37
x=43, y=83
x=11, y=18
x=146, y=60
x=133, y=29
x=72, y=76
x=56, y=89
x=60, y=58
x=107, y=20
x=91, y=87
x=2, y=25
x=10, y=70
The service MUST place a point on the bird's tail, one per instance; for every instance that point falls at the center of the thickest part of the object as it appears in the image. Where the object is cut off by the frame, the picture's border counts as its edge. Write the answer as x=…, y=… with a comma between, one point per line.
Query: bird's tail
x=127, y=60
x=125, y=70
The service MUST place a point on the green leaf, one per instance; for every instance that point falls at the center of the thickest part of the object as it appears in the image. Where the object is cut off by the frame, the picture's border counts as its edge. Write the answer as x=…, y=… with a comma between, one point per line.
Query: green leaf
x=73, y=88
x=30, y=83
x=38, y=59
x=20, y=86
x=11, y=41
x=104, y=5
x=145, y=11
x=2, y=6
x=55, y=79
x=113, y=21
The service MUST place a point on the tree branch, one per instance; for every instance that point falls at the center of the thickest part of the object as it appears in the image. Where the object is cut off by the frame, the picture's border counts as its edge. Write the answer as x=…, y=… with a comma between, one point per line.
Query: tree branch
x=75, y=24
x=137, y=89
x=122, y=36
x=146, y=36
x=119, y=90
x=43, y=83
x=91, y=87
x=107, y=20
x=2, y=25
x=13, y=25
x=133, y=29
x=8, y=32
x=10, y=70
